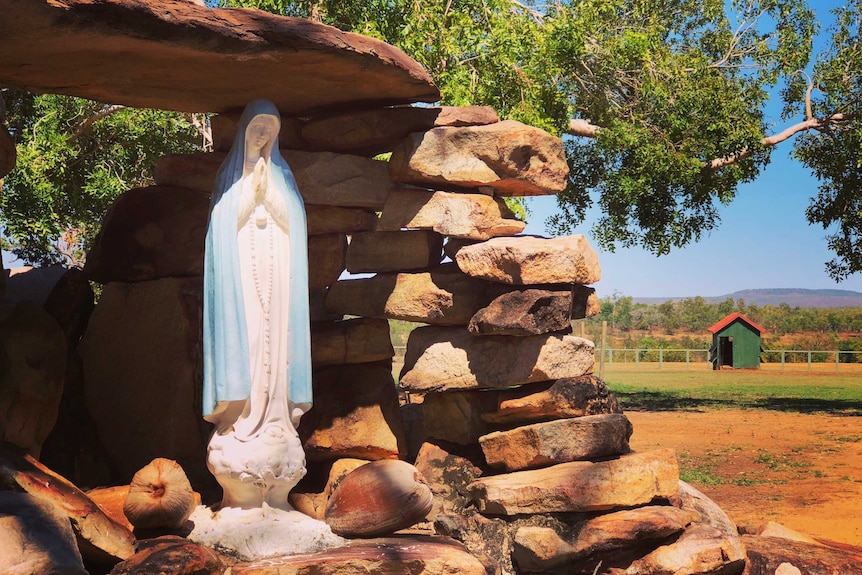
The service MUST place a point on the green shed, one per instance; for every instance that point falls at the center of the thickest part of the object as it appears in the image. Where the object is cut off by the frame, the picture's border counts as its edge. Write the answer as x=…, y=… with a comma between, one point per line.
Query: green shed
x=735, y=343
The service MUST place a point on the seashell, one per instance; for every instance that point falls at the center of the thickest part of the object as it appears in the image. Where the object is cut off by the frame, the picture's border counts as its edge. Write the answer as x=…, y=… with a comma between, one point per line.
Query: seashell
x=378, y=498
x=160, y=496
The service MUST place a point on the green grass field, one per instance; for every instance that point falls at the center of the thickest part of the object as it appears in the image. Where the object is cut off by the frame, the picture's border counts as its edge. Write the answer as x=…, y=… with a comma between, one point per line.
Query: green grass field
x=650, y=388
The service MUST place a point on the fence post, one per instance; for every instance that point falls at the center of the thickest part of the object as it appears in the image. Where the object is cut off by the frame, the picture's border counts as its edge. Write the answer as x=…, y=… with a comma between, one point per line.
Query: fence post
x=809, y=360
x=660, y=358
x=637, y=358
x=782, y=360
x=687, y=358
x=837, y=354
x=602, y=357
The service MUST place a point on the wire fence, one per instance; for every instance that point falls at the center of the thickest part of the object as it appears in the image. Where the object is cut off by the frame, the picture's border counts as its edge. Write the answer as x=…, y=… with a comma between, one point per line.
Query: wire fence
x=677, y=359
x=812, y=360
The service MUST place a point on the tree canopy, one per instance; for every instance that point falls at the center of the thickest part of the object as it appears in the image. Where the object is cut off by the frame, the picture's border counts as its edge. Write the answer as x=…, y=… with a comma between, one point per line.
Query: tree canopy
x=663, y=101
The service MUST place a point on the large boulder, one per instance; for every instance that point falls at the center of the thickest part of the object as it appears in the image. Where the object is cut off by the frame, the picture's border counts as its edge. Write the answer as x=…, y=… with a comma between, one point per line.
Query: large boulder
x=511, y=158
x=630, y=480
x=32, y=370
x=527, y=260
x=150, y=233
x=372, y=132
x=163, y=54
x=448, y=358
x=442, y=296
x=141, y=356
x=472, y=216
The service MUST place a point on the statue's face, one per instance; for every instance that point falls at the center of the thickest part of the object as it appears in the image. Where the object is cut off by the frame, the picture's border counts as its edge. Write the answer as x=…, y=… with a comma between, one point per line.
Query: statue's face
x=260, y=132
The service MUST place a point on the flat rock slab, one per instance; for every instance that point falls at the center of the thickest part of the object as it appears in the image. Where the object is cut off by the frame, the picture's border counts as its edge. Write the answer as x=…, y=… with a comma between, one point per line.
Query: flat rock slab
x=395, y=556
x=527, y=260
x=162, y=54
x=512, y=158
x=449, y=358
x=358, y=340
x=100, y=538
x=568, y=397
x=630, y=480
x=36, y=538
x=171, y=554
x=542, y=549
x=150, y=233
x=701, y=549
x=359, y=416
x=443, y=296
x=326, y=253
x=323, y=178
x=372, y=252
x=767, y=554
x=333, y=219
x=558, y=441
x=471, y=216
x=527, y=312
x=373, y=132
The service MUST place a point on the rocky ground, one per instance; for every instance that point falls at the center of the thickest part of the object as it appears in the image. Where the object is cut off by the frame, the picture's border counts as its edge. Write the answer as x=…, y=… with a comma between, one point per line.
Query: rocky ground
x=801, y=470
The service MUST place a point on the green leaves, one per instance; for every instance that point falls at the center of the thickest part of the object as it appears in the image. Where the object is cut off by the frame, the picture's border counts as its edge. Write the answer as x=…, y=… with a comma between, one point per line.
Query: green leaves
x=74, y=158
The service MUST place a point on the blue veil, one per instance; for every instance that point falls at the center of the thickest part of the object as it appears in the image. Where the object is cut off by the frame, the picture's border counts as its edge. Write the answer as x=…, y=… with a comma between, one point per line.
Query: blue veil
x=226, y=375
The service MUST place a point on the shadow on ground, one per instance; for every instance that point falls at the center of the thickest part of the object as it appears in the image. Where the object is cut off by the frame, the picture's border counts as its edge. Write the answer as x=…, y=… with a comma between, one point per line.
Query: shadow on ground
x=653, y=401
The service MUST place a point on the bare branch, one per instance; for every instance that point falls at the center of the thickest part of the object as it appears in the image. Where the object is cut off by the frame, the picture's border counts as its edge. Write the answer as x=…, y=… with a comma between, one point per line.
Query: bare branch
x=583, y=128
x=85, y=125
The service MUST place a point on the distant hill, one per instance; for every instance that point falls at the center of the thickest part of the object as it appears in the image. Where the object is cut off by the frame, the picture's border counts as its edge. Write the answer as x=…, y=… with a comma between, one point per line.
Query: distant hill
x=794, y=297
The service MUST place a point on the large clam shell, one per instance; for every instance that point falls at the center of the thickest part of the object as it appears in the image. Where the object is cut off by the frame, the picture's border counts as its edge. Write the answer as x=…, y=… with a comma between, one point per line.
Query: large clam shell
x=378, y=498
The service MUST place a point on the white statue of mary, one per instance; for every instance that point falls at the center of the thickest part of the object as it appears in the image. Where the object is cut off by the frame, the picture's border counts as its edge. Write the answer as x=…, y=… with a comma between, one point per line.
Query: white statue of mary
x=257, y=351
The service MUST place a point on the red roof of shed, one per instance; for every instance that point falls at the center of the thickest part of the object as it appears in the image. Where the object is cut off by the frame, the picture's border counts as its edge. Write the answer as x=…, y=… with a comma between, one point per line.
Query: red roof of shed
x=732, y=318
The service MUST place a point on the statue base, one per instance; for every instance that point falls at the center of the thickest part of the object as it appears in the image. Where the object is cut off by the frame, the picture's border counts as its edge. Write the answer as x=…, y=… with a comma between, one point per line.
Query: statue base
x=261, y=532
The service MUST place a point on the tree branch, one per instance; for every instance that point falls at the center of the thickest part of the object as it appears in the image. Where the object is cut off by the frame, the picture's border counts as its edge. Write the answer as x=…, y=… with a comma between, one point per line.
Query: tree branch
x=583, y=128
x=85, y=125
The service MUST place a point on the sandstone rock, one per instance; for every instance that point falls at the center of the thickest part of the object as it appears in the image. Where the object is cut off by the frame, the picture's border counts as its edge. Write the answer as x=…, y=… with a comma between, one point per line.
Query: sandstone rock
x=311, y=494
x=160, y=496
x=224, y=128
x=70, y=303
x=36, y=538
x=526, y=260
x=514, y=159
x=141, y=363
x=33, y=359
x=701, y=549
x=357, y=415
x=332, y=219
x=108, y=52
x=448, y=473
x=441, y=296
x=638, y=531
x=111, y=500
x=774, y=529
x=585, y=302
x=569, y=397
x=449, y=358
x=359, y=340
x=27, y=283
x=456, y=416
x=174, y=555
x=378, y=498
x=373, y=132
x=414, y=555
x=472, y=216
x=99, y=537
x=709, y=511
x=394, y=251
x=767, y=554
x=527, y=312
x=8, y=153
x=150, y=233
x=559, y=441
x=630, y=480
x=323, y=178
x=326, y=255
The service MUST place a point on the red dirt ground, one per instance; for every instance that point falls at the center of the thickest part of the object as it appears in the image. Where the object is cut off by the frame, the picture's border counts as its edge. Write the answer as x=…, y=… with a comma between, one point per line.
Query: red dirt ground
x=801, y=470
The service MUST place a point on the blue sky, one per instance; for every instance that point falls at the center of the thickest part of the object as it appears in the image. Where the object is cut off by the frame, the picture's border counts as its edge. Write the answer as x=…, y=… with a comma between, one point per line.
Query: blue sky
x=763, y=240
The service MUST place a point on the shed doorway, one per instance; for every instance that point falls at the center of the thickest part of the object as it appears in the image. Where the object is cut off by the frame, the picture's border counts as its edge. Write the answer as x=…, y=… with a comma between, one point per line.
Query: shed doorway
x=725, y=345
